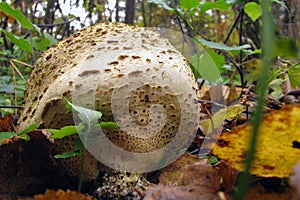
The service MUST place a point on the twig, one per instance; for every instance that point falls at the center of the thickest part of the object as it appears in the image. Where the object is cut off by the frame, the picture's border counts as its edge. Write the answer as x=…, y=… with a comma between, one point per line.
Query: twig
x=12, y=107
x=232, y=28
x=241, y=42
x=14, y=67
x=23, y=63
x=58, y=24
x=212, y=102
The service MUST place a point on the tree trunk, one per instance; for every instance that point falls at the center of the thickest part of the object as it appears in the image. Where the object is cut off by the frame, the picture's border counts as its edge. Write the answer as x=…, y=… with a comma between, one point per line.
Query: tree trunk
x=130, y=11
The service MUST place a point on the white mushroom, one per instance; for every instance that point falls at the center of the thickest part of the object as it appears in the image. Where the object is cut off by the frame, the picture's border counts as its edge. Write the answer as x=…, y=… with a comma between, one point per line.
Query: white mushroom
x=102, y=63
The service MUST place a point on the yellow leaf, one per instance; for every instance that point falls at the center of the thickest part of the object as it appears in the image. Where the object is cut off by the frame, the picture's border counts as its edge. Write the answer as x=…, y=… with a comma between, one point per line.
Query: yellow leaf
x=277, y=145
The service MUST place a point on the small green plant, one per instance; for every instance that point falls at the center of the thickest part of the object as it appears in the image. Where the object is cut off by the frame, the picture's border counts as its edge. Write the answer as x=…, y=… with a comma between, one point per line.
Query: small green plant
x=89, y=122
x=21, y=134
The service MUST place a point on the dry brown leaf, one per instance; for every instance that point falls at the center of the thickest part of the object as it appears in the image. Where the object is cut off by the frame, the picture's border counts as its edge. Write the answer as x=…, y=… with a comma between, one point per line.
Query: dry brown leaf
x=28, y=168
x=180, y=192
x=173, y=173
x=189, y=177
x=277, y=146
x=59, y=195
x=228, y=174
x=6, y=124
x=259, y=192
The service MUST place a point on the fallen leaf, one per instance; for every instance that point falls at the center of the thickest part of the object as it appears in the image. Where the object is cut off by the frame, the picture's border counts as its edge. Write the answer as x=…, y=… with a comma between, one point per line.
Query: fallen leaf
x=277, y=150
x=59, y=195
x=180, y=192
x=228, y=174
x=28, y=168
x=219, y=118
x=190, y=177
x=6, y=124
x=258, y=192
x=295, y=179
x=173, y=173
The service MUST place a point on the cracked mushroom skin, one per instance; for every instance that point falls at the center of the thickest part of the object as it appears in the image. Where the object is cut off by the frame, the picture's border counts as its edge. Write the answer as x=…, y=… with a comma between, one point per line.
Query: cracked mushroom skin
x=126, y=51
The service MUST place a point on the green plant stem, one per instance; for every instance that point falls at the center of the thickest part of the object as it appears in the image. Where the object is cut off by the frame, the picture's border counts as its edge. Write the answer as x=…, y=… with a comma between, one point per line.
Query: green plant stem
x=268, y=47
x=83, y=154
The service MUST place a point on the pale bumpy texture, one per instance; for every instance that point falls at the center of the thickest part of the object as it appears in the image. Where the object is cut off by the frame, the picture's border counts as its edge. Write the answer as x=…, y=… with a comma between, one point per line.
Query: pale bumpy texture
x=128, y=50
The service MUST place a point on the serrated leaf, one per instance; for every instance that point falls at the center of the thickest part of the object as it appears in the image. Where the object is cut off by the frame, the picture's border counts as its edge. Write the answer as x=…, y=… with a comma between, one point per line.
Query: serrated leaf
x=67, y=154
x=222, y=46
x=294, y=76
x=20, y=42
x=189, y=4
x=253, y=10
x=162, y=3
x=218, y=5
x=65, y=131
x=108, y=125
x=18, y=15
x=28, y=129
x=87, y=116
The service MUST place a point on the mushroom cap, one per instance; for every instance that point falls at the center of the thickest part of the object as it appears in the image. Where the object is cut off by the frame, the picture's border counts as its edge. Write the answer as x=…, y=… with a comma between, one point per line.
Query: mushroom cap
x=99, y=66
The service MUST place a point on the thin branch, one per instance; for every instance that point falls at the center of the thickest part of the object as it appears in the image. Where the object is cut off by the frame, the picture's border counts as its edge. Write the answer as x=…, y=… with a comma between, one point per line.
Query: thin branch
x=232, y=28
x=212, y=102
x=12, y=107
x=23, y=63
x=14, y=67
x=58, y=24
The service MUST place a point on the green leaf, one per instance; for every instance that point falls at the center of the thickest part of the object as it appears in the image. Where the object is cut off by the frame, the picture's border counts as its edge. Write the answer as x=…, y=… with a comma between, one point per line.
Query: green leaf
x=221, y=46
x=6, y=135
x=189, y=4
x=20, y=42
x=108, y=125
x=294, y=75
x=40, y=43
x=205, y=66
x=218, y=59
x=218, y=118
x=218, y=5
x=162, y=3
x=78, y=145
x=50, y=38
x=17, y=14
x=65, y=131
x=28, y=129
x=87, y=116
x=67, y=154
x=253, y=10
x=25, y=137
x=276, y=86
x=212, y=159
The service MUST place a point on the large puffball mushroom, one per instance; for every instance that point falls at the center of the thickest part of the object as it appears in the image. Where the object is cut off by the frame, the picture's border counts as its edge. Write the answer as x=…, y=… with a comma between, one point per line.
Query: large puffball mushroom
x=106, y=67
